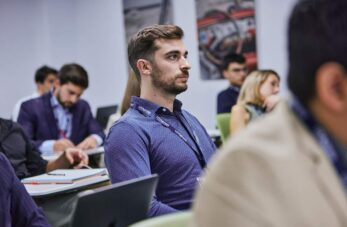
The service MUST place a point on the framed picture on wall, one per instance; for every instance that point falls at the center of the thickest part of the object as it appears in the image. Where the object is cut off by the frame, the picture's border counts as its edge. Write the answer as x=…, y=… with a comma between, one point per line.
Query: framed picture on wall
x=225, y=27
x=139, y=14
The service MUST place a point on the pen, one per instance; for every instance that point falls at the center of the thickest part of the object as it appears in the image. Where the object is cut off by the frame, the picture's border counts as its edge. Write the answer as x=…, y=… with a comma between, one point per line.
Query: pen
x=56, y=174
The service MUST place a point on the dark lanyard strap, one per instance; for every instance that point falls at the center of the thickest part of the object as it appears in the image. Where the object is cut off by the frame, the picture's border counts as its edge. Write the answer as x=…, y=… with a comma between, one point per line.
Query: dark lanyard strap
x=197, y=153
x=64, y=131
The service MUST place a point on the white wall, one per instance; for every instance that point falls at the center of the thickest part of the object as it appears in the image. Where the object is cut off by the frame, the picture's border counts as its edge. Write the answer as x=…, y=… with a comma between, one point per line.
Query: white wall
x=90, y=32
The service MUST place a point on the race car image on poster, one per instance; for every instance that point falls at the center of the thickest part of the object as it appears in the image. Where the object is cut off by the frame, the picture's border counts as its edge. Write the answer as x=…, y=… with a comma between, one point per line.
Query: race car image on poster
x=221, y=32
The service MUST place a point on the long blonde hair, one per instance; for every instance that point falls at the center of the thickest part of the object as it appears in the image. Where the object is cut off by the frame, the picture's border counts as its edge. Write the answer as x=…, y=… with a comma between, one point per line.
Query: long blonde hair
x=250, y=90
x=132, y=89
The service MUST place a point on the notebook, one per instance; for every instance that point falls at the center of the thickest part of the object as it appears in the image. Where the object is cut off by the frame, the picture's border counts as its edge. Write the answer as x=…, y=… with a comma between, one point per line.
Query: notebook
x=64, y=176
x=117, y=205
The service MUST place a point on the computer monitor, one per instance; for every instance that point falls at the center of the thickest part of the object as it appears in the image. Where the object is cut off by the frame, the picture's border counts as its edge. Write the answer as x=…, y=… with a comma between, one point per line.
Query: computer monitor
x=117, y=205
x=103, y=113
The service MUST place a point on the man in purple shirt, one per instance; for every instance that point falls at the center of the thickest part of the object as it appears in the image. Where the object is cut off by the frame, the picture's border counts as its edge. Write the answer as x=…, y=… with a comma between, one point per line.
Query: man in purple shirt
x=156, y=135
x=17, y=207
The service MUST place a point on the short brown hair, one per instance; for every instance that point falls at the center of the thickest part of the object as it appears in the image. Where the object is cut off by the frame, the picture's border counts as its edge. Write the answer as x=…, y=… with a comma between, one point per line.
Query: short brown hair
x=75, y=74
x=142, y=43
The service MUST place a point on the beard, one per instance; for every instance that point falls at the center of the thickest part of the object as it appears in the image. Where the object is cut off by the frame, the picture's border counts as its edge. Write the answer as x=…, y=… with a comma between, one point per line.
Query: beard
x=62, y=103
x=168, y=85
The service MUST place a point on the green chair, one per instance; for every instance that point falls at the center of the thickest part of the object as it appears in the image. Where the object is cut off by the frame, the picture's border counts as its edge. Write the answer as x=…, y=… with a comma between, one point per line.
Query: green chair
x=223, y=124
x=179, y=219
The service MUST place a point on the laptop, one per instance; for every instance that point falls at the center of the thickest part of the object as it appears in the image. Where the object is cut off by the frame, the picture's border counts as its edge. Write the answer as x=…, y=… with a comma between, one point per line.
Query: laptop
x=103, y=113
x=117, y=205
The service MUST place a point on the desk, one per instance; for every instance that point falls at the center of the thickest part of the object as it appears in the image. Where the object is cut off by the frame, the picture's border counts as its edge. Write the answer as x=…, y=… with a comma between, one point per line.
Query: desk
x=213, y=133
x=41, y=190
x=94, y=151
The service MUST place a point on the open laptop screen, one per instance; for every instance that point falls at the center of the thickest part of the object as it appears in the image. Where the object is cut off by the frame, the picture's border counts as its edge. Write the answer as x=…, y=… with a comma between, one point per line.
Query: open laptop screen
x=117, y=205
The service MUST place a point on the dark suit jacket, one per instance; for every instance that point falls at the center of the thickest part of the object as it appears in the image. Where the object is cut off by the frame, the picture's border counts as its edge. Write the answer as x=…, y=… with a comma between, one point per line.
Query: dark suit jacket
x=37, y=118
x=226, y=99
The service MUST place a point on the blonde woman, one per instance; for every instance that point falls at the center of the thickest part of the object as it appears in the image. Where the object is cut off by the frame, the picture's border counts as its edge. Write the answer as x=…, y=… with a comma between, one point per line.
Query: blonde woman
x=259, y=94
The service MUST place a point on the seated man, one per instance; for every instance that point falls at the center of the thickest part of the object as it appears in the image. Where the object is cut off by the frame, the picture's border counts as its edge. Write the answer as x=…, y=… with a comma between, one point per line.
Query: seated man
x=290, y=168
x=44, y=79
x=60, y=119
x=156, y=135
x=17, y=207
x=25, y=158
x=235, y=71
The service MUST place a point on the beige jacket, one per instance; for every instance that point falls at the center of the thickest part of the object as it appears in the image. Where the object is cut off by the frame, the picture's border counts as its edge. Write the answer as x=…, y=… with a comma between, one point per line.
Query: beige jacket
x=272, y=174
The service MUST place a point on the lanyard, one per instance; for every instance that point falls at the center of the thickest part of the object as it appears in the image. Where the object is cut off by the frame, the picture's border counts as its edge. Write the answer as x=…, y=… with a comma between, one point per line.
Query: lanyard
x=197, y=153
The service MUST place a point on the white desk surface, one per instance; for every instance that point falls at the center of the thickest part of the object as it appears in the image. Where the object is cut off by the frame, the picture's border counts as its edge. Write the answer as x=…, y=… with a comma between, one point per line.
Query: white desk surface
x=98, y=150
x=37, y=190
x=213, y=132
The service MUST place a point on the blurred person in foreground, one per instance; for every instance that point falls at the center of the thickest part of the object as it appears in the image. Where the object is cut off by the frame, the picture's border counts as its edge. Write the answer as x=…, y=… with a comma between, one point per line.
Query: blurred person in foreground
x=289, y=168
x=17, y=207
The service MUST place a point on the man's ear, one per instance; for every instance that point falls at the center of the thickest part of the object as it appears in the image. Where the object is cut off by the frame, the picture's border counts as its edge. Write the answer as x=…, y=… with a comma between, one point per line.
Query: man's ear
x=331, y=86
x=144, y=67
x=225, y=74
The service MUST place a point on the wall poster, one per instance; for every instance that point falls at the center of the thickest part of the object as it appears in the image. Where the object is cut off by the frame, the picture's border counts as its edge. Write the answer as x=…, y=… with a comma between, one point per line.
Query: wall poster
x=225, y=26
x=139, y=14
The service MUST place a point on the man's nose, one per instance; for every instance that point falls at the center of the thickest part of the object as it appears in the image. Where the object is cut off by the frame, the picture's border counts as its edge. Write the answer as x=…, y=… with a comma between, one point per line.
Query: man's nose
x=185, y=64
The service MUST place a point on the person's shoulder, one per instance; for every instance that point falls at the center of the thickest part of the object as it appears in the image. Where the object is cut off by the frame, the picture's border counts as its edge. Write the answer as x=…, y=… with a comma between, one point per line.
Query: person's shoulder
x=268, y=135
x=238, y=108
x=82, y=103
x=34, y=101
x=131, y=121
x=223, y=92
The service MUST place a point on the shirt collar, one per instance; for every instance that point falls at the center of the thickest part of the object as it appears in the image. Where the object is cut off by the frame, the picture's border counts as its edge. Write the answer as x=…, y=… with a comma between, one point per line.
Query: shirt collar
x=54, y=102
x=147, y=108
x=234, y=88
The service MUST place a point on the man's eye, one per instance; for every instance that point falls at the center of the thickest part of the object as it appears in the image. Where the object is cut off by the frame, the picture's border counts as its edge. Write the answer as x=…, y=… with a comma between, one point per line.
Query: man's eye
x=173, y=57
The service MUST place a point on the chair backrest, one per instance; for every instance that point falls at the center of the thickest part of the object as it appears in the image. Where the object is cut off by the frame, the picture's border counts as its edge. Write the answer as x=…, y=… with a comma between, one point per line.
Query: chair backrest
x=179, y=219
x=117, y=205
x=103, y=113
x=223, y=124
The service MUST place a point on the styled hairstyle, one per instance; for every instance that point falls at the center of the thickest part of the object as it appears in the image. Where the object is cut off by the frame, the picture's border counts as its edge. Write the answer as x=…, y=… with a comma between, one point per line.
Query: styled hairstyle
x=42, y=73
x=317, y=34
x=233, y=58
x=75, y=74
x=142, y=44
x=132, y=89
x=250, y=90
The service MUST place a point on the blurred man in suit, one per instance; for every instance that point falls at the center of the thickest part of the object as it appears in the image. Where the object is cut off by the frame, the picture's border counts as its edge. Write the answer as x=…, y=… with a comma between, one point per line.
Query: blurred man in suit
x=17, y=207
x=235, y=71
x=290, y=168
x=60, y=119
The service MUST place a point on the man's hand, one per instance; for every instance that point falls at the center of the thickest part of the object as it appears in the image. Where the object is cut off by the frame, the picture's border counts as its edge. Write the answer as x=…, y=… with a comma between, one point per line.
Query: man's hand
x=72, y=157
x=62, y=144
x=88, y=143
